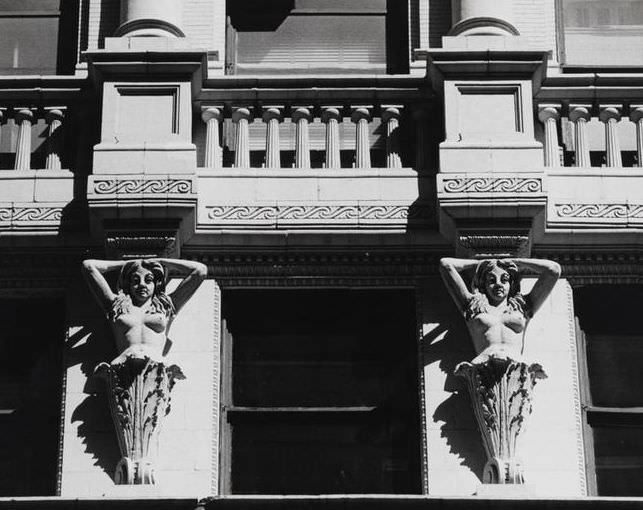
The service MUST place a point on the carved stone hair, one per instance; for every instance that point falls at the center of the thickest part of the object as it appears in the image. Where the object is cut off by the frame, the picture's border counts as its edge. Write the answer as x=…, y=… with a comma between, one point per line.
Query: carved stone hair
x=161, y=302
x=479, y=302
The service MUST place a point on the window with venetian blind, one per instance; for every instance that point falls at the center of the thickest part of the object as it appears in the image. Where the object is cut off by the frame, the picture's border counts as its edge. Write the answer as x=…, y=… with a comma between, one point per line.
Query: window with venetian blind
x=320, y=392
x=611, y=347
x=317, y=36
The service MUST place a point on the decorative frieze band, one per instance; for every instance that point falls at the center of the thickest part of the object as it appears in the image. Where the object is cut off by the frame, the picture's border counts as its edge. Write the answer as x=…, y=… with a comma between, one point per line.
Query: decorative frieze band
x=132, y=186
x=599, y=211
x=492, y=185
x=319, y=213
x=31, y=214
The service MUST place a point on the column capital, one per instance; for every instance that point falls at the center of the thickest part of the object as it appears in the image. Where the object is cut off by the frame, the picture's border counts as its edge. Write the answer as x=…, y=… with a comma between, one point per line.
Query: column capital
x=610, y=111
x=240, y=113
x=548, y=111
x=361, y=112
x=580, y=111
x=391, y=112
x=331, y=112
x=55, y=113
x=301, y=112
x=211, y=112
x=273, y=112
x=24, y=114
x=636, y=112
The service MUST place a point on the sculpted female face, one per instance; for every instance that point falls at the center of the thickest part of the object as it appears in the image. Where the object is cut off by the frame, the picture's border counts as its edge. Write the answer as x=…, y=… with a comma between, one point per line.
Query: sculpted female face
x=141, y=285
x=497, y=283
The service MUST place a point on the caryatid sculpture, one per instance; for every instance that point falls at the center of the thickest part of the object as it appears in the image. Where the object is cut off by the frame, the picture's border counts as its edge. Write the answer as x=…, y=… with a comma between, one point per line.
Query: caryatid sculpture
x=140, y=314
x=500, y=381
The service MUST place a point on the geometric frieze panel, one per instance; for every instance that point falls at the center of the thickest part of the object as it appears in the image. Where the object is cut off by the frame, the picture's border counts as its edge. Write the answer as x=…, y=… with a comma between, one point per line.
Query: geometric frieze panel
x=134, y=186
x=491, y=185
x=340, y=215
x=31, y=216
x=623, y=214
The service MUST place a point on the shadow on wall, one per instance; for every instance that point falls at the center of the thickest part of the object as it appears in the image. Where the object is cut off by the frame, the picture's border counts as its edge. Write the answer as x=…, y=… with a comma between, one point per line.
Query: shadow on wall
x=455, y=413
x=87, y=348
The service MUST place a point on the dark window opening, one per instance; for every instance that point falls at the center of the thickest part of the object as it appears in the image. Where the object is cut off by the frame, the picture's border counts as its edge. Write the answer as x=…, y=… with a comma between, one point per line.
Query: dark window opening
x=321, y=393
x=317, y=36
x=612, y=346
x=30, y=395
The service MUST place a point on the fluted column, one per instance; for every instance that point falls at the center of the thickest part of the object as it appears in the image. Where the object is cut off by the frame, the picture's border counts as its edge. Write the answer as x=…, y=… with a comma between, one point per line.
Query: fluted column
x=636, y=116
x=301, y=117
x=54, y=118
x=391, y=118
x=549, y=115
x=610, y=115
x=24, y=118
x=580, y=116
x=332, y=117
x=272, y=117
x=212, y=117
x=361, y=117
x=241, y=117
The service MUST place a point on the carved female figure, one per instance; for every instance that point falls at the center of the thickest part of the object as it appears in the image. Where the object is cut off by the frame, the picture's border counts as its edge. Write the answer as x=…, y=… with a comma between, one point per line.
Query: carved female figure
x=499, y=381
x=139, y=312
x=495, y=311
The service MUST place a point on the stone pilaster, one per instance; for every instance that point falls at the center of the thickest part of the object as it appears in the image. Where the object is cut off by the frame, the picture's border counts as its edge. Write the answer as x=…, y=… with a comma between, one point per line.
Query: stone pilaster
x=549, y=116
x=301, y=117
x=241, y=117
x=331, y=116
x=272, y=116
x=212, y=117
x=391, y=118
x=610, y=115
x=24, y=119
x=361, y=116
x=636, y=116
x=54, y=118
x=580, y=116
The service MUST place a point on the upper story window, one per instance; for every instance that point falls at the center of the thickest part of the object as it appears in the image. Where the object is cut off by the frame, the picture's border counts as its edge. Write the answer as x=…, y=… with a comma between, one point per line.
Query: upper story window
x=611, y=346
x=37, y=36
x=317, y=36
x=602, y=32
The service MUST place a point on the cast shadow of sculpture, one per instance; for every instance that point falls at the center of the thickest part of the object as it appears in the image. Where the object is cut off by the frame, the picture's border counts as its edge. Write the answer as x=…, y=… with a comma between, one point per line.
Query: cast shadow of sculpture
x=87, y=348
x=458, y=422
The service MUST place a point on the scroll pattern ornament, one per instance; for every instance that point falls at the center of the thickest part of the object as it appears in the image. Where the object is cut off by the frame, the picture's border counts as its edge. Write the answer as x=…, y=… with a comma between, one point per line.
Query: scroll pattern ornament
x=493, y=184
x=139, y=399
x=129, y=186
x=501, y=394
x=31, y=214
x=599, y=210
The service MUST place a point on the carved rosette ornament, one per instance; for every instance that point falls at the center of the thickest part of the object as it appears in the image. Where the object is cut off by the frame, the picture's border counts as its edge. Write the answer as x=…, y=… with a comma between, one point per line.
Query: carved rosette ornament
x=501, y=394
x=139, y=399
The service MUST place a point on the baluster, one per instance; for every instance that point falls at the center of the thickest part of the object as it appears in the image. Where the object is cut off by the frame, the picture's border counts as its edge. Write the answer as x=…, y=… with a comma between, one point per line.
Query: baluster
x=331, y=116
x=54, y=118
x=361, y=117
x=272, y=117
x=549, y=115
x=610, y=115
x=580, y=116
x=241, y=117
x=24, y=119
x=301, y=117
x=212, y=116
x=636, y=116
x=391, y=117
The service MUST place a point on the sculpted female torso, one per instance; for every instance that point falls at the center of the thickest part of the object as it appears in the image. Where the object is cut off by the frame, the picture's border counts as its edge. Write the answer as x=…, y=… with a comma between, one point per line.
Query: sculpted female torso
x=495, y=311
x=140, y=313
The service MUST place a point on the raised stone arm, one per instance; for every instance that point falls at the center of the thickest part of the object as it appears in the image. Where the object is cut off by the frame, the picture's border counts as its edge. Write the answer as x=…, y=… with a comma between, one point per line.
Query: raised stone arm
x=548, y=273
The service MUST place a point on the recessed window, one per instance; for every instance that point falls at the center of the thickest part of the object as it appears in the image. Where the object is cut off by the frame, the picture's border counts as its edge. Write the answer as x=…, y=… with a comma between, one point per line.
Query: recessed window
x=320, y=394
x=605, y=32
x=611, y=343
x=317, y=36
x=37, y=36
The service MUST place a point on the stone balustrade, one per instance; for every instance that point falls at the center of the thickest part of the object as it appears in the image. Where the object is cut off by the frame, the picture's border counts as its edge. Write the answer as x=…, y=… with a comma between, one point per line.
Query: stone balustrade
x=23, y=120
x=300, y=136
x=583, y=134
